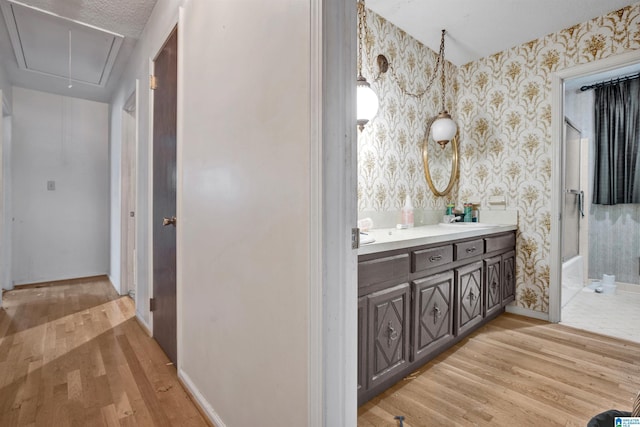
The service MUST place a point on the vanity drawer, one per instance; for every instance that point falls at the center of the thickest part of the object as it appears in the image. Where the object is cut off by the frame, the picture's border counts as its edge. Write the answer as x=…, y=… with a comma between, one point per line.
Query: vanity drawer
x=380, y=270
x=432, y=257
x=468, y=249
x=505, y=241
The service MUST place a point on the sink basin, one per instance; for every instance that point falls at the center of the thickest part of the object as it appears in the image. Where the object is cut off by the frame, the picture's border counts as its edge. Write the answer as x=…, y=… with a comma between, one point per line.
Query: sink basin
x=468, y=225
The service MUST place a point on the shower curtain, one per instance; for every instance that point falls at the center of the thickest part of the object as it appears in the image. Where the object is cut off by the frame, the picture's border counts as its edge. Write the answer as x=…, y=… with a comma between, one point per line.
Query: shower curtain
x=617, y=140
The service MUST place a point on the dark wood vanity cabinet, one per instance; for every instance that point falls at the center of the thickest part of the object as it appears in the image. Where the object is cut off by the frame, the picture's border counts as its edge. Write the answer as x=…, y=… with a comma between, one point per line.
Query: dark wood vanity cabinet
x=432, y=311
x=416, y=302
x=508, y=277
x=469, y=307
x=494, y=284
x=388, y=333
x=362, y=342
x=500, y=281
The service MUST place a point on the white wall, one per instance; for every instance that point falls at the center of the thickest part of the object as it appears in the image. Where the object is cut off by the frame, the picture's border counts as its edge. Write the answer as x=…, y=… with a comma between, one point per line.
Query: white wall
x=244, y=218
x=6, y=209
x=63, y=233
x=6, y=94
x=5, y=87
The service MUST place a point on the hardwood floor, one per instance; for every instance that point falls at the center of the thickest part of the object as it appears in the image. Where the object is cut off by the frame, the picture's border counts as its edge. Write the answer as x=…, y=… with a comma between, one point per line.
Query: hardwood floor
x=515, y=371
x=72, y=354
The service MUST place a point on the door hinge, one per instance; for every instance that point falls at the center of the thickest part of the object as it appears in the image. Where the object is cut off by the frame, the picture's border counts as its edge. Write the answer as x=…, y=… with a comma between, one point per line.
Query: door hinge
x=153, y=82
x=152, y=304
x=355, y=238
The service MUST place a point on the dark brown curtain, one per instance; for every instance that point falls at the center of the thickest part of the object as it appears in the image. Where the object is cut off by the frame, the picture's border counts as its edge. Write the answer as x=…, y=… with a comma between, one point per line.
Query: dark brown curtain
x=617, y=140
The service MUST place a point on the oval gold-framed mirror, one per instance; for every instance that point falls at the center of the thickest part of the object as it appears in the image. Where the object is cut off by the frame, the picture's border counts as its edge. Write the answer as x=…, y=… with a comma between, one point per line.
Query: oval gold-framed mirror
x=443, y=162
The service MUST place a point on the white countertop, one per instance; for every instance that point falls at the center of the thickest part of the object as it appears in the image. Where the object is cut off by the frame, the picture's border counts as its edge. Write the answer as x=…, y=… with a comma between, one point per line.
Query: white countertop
x=387, y=239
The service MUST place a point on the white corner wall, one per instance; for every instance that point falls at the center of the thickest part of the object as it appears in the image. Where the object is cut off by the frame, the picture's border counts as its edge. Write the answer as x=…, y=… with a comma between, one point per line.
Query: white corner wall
x=6, y=209
x=5, y=87
x=64, y=233
x=244, y=218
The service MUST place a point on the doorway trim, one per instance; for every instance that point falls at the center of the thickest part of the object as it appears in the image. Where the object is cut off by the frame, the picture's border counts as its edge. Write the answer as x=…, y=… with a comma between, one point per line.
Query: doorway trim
x=129, y=189
x=339, y=214
x=557, y=120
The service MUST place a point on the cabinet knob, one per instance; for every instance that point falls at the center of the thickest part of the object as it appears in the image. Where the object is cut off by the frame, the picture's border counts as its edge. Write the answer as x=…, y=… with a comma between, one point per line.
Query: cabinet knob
x=436, y=313
x=434, y=258
x=392, y=334
x=471, y=296
x=471, y=249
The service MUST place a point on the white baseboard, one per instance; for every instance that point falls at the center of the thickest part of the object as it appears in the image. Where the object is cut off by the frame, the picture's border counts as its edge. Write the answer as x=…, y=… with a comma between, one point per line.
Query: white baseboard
x=200, y=400
x=113, y=284
x=527, y=312
x=144, y=325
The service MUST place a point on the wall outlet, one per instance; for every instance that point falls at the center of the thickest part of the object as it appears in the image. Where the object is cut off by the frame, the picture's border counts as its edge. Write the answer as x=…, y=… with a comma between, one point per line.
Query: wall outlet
x=51, y=185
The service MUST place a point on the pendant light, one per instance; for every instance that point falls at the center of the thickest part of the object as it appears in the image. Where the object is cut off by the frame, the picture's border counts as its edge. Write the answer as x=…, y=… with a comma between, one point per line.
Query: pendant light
x=367, y=100
x=443, y=128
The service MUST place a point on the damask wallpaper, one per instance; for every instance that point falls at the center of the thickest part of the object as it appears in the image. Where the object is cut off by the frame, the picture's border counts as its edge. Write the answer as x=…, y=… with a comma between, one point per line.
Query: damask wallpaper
x=504, y=110
x=502, y=104
x=390, y=146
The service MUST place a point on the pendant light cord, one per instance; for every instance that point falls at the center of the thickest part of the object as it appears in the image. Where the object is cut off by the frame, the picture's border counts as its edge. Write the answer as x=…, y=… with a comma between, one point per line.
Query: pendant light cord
x=439, y=67
x=362, y=16
x=441, y=60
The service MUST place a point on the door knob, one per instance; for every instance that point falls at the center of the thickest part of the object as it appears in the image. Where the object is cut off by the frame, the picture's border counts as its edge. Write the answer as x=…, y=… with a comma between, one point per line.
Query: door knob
x=169, y=221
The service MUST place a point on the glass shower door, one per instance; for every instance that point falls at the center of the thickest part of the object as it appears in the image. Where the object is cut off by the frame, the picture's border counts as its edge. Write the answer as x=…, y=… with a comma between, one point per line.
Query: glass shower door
x=573, y=207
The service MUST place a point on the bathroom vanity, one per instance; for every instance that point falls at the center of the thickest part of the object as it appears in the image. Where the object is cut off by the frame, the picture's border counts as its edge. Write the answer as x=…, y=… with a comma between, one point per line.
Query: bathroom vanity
x=422, y=290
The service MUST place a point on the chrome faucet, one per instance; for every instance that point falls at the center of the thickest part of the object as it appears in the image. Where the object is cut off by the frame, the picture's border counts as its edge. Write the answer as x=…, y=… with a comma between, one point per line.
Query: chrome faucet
x=453, y=218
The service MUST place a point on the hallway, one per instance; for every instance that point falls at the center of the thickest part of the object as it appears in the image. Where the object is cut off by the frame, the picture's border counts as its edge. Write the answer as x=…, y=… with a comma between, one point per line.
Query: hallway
x=73, y=354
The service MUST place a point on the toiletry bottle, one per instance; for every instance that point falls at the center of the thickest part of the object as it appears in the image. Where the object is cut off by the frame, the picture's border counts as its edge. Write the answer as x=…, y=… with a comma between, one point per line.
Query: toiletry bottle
x=450, y=207
x=467, y=212
x=448, y=215
x=475, y=214
x=407, y=212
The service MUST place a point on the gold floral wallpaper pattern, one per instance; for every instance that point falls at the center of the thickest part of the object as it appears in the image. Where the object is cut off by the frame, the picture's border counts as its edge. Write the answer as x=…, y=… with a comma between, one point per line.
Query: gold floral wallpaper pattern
x=390, y=146
x=502, y=104
x=504, y=110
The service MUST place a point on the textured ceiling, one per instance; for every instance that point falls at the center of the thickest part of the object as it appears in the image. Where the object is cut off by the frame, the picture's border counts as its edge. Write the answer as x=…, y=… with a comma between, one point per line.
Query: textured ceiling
x=479, y=28
x=476, y=28
x=125, y=17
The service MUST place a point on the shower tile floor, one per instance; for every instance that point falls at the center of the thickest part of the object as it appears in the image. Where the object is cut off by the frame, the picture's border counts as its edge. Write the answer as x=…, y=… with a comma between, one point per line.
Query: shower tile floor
x=615, y=315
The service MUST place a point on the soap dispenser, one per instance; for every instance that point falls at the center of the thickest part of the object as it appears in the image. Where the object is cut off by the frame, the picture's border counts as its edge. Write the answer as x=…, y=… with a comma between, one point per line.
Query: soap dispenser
x=407, y=212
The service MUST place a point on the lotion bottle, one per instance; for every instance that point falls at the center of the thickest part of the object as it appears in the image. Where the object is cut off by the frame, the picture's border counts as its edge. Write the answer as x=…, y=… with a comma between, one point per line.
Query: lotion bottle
x=407, y=212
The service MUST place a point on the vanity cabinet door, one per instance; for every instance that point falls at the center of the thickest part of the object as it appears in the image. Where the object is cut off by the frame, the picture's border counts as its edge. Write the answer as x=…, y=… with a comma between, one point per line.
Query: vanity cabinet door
x=468, y=281
x=508, y=277
x=362, y=340
x=432, y=324
x=493, y=281
x=388, y=334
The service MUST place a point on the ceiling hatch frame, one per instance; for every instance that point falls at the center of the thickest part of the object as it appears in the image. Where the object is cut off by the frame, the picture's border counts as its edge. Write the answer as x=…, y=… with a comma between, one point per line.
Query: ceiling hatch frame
x=87, y=41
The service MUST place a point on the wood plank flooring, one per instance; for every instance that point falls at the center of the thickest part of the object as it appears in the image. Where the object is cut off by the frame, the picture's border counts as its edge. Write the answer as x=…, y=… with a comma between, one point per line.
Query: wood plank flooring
x=72, y=354
x=515, y=371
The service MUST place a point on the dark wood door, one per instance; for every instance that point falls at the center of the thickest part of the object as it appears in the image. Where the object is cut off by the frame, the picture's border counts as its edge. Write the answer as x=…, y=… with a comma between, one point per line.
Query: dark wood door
x=493, y=271
x=468, y=296
x=432, y=313
x=388, y=335
x=164, y=196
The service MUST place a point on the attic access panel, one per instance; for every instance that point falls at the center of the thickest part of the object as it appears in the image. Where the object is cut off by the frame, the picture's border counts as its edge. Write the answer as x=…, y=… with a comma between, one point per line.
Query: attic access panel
x=40, y=42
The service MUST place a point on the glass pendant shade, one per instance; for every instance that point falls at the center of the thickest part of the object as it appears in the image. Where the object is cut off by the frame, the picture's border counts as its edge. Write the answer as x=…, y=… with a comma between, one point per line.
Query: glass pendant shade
x=367, y=102
x=443, y=129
